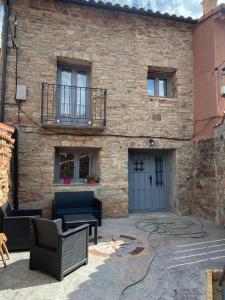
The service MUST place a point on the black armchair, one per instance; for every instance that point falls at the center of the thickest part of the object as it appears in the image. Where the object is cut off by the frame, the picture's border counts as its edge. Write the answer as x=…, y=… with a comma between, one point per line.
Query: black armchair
x=55, y=252
x=16, y=226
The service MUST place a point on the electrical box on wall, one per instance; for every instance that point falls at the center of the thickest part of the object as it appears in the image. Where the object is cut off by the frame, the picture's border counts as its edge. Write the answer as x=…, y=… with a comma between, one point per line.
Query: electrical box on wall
x=21, y=92
x=223, y=91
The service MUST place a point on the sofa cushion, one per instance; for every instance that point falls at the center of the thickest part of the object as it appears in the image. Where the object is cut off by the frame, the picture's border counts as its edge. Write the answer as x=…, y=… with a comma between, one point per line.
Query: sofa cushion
x=73, y=211
x=73, y=199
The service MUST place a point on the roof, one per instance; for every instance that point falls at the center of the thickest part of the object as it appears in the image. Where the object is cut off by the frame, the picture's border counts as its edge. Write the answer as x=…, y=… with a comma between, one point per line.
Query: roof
x=131, y=10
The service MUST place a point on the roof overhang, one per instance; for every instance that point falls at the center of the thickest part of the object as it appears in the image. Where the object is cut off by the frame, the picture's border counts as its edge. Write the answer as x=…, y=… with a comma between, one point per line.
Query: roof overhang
x=131, y=10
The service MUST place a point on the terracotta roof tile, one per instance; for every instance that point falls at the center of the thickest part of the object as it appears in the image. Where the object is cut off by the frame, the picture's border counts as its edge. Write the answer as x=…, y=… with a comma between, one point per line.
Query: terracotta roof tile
x=131, y=10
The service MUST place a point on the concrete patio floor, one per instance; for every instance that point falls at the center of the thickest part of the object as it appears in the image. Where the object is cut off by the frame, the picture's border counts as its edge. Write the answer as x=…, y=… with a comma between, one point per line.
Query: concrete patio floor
x=121, y=257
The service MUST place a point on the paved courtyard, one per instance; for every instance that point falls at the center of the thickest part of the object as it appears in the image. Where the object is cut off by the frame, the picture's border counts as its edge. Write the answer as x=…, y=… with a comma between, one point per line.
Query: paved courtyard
x=122, y=257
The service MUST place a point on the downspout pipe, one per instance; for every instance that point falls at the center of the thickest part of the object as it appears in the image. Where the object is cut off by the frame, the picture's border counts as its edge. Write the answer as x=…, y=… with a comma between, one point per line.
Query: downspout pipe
x=4, y=58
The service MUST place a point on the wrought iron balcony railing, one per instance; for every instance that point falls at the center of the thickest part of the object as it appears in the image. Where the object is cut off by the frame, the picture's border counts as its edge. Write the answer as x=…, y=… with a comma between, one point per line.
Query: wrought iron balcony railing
x=73, y=106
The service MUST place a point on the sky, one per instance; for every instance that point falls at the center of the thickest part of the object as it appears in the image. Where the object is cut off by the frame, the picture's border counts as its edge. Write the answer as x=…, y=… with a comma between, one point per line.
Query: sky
x=187, y=8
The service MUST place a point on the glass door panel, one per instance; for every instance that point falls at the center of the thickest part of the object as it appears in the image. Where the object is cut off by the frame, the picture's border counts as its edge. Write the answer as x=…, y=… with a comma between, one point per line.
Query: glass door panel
x=65, y=92
x=65, y=97
x=81, y=103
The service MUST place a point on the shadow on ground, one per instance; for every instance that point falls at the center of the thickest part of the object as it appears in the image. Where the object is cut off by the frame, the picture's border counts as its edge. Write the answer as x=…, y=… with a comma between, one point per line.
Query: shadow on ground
x=17, y=275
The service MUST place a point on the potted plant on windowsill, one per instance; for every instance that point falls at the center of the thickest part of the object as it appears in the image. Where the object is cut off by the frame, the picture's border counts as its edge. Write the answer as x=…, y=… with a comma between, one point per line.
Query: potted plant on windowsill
x=68, y=174
x=92, y=179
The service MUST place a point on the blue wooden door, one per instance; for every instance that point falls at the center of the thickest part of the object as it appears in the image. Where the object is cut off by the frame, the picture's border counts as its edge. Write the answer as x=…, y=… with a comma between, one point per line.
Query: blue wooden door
x=147, y=181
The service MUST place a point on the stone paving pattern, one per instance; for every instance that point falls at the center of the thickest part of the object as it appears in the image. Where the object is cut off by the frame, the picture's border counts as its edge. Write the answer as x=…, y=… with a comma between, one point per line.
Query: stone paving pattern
x=104, y=279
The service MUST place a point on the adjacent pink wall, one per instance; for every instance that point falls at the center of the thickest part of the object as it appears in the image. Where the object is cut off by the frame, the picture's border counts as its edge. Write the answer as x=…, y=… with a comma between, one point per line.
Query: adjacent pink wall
x=209, y=54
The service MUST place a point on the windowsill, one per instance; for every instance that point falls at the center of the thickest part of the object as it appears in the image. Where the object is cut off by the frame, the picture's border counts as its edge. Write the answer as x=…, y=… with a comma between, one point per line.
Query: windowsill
x=75, y=184
x=161, y=98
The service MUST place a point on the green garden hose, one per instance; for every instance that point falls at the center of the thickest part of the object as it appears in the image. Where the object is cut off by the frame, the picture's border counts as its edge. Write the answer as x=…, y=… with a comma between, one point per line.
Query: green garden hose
x=164, y=227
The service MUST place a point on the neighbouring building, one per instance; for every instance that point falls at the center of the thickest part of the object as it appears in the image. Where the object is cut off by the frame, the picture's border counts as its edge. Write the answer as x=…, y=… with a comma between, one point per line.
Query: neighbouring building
x=102, y=91
x=209, y=107
x=209, y=69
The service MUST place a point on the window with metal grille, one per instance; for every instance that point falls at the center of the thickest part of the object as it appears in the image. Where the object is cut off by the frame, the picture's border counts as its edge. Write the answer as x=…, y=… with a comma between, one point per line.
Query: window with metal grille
x=158, y=171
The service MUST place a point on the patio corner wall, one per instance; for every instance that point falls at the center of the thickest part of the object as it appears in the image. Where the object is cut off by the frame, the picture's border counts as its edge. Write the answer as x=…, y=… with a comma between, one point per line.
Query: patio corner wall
x=209, y=177
x=6, y=147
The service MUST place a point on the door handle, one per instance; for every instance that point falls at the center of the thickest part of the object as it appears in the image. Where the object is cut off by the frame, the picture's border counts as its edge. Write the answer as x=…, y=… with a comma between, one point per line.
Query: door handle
x=150, y=179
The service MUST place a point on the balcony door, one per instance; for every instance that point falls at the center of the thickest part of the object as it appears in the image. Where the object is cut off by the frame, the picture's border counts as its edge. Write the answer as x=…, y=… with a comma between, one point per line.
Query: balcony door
x=73, y=97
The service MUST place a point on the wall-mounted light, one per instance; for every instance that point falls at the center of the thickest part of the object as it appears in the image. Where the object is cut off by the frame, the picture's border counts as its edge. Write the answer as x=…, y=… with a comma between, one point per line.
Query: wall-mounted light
x=151, y=142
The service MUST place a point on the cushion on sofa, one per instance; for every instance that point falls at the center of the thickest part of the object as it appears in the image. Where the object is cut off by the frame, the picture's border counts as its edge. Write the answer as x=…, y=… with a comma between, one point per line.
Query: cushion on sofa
x=73, y=211
x=74, y=199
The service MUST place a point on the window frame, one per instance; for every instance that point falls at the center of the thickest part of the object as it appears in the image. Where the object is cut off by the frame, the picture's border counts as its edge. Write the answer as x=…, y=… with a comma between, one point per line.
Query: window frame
x=76, y=153
x=157, y=77
x=75, y=70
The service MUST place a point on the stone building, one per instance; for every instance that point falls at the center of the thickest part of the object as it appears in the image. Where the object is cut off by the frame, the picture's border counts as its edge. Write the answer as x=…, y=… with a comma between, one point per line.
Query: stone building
x=102, y=91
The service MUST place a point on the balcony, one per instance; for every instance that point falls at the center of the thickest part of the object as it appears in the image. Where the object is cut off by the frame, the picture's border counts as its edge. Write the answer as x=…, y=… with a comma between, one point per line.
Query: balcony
x=72, y=107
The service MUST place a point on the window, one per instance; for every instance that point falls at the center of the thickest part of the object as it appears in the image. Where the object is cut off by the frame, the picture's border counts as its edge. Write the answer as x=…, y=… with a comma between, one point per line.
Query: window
x=158, y=171
x=73, y=95
x=75, y=165
x=161, y=82
x=159, y=85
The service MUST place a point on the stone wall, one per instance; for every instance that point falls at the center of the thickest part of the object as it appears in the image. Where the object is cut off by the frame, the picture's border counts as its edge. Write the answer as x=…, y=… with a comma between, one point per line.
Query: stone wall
x=6, y=146
x=120, y=48
x=209, y=177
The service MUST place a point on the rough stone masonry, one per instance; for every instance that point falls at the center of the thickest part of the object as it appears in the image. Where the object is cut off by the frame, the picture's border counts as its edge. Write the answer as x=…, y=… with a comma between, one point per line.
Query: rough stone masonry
x=6, y=146
x=120, y=48
x=209, y=177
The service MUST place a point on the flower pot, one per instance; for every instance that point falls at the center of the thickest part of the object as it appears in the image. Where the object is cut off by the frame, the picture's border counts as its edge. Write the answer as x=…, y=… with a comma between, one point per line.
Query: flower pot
x=67, y=180
x=92, y=181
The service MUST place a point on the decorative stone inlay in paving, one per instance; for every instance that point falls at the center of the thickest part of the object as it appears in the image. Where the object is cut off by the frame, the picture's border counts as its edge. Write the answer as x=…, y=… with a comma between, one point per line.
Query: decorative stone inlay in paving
x=118, y=246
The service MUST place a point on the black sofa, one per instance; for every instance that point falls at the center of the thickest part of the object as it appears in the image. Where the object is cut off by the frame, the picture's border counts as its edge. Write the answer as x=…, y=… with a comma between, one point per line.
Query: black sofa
x=56, y=252
x=16, y=226
x=69, y=203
